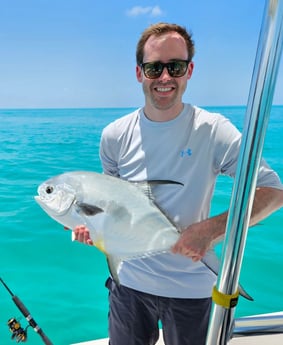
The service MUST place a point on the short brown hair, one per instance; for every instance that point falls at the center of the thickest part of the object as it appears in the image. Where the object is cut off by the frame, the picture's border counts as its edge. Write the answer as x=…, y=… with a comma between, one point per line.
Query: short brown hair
x=161, y=29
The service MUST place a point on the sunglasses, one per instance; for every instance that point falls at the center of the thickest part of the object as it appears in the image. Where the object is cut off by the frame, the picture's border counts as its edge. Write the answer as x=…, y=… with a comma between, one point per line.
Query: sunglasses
x=176, y=69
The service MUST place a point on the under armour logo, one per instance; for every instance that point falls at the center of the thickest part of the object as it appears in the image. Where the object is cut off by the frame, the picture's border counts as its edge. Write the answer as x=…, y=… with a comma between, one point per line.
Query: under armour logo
x=187, y=152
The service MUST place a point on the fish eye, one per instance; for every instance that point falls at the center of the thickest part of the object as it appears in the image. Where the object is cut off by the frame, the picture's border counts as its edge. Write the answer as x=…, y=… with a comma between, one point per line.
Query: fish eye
x=49, y=189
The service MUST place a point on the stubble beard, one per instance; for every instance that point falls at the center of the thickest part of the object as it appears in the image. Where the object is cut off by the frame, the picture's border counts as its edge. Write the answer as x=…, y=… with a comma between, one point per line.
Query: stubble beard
x=161, y=103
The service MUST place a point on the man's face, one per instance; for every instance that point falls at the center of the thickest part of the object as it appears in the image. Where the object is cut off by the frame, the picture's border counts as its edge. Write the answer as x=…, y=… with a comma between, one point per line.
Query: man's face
x=164, y=92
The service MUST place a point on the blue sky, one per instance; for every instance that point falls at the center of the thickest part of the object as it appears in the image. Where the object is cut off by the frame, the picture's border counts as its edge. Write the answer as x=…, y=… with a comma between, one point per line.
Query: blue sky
x=81, y=53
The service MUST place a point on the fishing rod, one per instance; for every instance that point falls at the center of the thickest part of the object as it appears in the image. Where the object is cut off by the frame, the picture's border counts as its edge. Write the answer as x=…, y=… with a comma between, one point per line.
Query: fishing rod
x=14, y=325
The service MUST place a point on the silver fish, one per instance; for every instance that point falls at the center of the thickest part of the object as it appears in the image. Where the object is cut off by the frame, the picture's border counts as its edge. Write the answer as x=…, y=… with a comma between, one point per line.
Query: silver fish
x=120, y=216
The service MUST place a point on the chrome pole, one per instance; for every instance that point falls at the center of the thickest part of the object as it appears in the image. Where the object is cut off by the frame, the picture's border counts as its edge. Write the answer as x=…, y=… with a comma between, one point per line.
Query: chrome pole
x=257, y=116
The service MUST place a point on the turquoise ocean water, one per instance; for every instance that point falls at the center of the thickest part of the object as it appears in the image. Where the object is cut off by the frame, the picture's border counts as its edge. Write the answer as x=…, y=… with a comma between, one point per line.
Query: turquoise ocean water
x=62, y=282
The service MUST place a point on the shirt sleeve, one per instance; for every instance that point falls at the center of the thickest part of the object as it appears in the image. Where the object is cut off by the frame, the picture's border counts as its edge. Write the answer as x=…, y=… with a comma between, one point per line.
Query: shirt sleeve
x=268, y=177
x=109, y=151
x=228, y=148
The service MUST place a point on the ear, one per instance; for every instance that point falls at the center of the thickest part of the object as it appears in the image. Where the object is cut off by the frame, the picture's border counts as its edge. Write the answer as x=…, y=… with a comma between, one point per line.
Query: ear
x=190, y=70
x=139, y=73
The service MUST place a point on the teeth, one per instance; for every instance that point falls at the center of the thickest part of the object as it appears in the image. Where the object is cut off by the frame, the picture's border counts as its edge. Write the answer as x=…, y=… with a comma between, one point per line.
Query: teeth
x=164, y=89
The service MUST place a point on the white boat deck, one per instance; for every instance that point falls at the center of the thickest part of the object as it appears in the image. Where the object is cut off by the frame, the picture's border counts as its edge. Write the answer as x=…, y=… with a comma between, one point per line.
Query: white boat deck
x=270, y=339
x=274, y=339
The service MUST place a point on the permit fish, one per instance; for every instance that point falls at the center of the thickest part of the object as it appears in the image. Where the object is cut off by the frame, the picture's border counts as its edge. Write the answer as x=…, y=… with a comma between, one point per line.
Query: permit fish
x=123, y=219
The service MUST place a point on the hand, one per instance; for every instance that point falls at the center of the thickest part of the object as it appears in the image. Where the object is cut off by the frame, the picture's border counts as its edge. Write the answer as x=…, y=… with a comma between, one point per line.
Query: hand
x=81, y=234
x=194, y=242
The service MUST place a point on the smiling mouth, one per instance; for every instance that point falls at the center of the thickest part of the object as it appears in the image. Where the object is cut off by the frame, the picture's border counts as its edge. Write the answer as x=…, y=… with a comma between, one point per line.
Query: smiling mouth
x=164, y=89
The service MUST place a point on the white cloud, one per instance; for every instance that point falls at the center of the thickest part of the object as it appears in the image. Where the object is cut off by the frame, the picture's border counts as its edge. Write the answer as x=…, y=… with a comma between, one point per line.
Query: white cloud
x=156, y=11
x=153, y=11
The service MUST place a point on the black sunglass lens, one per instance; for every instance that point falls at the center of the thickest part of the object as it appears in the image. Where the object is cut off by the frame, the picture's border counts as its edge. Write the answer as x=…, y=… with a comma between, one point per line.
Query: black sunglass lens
x=153, y=70
x=177, y=68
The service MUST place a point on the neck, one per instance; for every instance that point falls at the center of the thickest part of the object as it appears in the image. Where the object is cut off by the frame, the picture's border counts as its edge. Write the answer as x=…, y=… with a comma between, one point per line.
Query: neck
x=162, y=115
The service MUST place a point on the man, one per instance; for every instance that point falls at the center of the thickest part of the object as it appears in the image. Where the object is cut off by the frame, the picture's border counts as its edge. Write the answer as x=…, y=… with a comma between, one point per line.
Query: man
x=170, y=140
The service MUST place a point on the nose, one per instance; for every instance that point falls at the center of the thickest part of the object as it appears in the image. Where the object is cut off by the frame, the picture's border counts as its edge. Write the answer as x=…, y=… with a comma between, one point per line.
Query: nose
x=165, y=74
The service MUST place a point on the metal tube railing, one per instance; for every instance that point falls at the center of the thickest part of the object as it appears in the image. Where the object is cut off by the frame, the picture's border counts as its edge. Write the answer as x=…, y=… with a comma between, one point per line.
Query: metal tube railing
x=257, y=116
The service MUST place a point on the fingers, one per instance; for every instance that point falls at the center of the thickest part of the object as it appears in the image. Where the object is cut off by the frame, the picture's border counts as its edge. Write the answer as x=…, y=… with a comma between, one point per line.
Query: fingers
x=82, y=235
x=183, y=250
x=191, y=246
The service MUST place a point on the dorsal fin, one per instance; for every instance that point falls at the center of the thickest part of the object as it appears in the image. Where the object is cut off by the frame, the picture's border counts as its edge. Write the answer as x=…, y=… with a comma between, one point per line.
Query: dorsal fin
x=157, y=182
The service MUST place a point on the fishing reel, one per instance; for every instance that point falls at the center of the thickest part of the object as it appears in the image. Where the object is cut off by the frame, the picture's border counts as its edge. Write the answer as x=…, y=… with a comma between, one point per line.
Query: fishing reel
x=18, y=333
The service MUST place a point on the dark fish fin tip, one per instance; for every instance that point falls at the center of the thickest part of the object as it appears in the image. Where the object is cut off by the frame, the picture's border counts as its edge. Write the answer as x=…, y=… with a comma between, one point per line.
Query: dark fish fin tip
x=88, y=209
x=160, y=182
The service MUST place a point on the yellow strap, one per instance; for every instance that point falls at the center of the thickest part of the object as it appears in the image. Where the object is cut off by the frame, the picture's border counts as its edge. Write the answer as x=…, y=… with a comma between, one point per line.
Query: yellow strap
x=226, y=301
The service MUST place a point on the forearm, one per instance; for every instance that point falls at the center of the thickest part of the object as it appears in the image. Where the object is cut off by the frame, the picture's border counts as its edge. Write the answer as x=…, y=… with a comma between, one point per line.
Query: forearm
x=199, y=237
x=266, y=201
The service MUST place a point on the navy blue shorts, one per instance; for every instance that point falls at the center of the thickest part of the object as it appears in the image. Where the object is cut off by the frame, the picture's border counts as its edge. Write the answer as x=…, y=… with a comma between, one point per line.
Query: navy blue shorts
x=134, y=316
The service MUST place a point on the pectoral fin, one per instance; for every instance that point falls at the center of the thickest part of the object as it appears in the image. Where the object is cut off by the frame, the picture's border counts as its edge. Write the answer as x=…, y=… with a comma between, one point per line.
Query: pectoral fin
x=88, y=209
